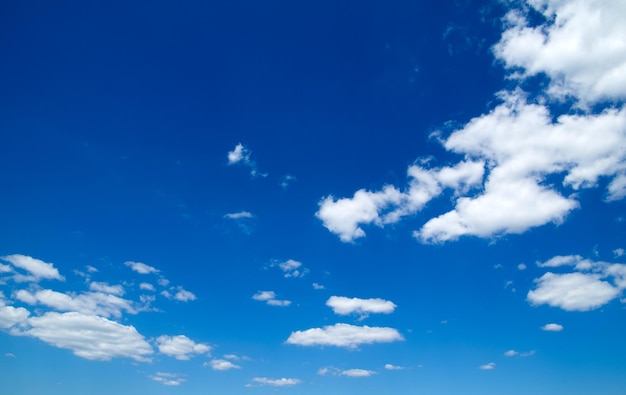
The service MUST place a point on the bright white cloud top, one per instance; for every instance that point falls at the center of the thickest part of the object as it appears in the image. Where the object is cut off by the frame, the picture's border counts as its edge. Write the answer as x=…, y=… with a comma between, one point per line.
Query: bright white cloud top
x=181, y=347
x=344, y=306
x=344, y=335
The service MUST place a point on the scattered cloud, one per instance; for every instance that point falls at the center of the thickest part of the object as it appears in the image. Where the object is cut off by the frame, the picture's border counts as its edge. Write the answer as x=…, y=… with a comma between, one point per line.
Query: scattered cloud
x=221, y=364
x=38, y=269
x=89, y=336
x=286, y=180
x=344, y=306
x=318, y=286
x=239, y=215
x=283, y=382
x=140, y=267
x=291, y=268
x=488, y=366
x=389, y=366
x=591, y=285
x=180, y=347
x=241, y=155
x=521, y=266
x=344, y=335
x=618, y=252
x=146, y=287
x=552, y=327
x=9, y=355
x=357, y=373
x=170, y=379
x=269, y=297
x=11, y=316
x=513, y=353
x=106, y=288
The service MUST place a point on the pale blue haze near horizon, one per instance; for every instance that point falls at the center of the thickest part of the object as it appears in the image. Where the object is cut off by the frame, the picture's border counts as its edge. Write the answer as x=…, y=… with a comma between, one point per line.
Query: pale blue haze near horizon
x=338, y=197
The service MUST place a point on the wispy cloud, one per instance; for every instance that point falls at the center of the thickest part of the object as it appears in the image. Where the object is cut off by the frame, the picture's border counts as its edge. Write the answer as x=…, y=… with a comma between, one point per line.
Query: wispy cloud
x=269, y=297
x=241, y=155
x=282, y=382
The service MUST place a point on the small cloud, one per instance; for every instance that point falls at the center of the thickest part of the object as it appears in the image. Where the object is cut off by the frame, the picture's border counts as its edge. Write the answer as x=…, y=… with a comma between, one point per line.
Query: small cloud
x=497, y=266
x=521, y=266
x=181, y=347
x=269, y=297
x=184, y=295
x=357, y=373
x=393, y=367
x=344, y=306
x=146, y=287
x=618, y=252
x=221, y=364
x=292, y=268
x=282, y=382
x=552, y=328
x=344, y=335
x=37, y=268
x=286, y=180
x=140, y=267
x=527, y=353
x=9, y=355
x=488, y=366
x=242, y=155
x=318, y=286
x=239, y=215
x=170, y=379
x=511, y=353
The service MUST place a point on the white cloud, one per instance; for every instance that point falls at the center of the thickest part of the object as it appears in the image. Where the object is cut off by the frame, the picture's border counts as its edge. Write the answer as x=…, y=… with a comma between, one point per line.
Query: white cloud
x=222, y=364
x=618, y=252
x=292, y=268
x=90, y=303
x=521, y=266
x=37, y=268
x=552, y=327
x=170, y=379
x=106, y=288
x=282, y=382
x=389, y=366
x=344, y=306
x=90, y=336
x=146, y=287
x=140, y=267
x=585, y=289
x=344, y=335
x=269, y=297
x=318, y=286
x=181, y=347
x=488, y=366
x=242, y=155
x=10, y=316
x=357, y=373
x=581, y=46
x=239, y=215
x=511, y=353
x=5, y=268
x=184, y=295
x=286, y=180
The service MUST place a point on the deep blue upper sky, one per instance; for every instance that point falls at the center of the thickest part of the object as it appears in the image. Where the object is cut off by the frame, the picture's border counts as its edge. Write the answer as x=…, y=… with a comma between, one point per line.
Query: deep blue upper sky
x=335, y=196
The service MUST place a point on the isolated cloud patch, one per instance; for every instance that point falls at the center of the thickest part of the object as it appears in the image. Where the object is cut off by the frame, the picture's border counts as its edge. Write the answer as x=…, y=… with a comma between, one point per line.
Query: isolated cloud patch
x=269, y=297
x=343, y=306
x=591, y=285
x=169, y=379
x=141, y=267
x=241, y=155
x=344, y=335
x=222, y=364
x=181, y=347
x=552, y=327
x=282, y=382
x=90, y=336
x=37, y=268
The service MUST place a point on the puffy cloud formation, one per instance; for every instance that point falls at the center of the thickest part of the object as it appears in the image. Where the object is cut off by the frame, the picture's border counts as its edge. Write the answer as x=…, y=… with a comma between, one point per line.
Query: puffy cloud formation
x=140, y=267
x=344, y=335
x=89, y=336
x=591, y=285
x=242, y=155
x=344, y=306
x=521, y=162
x=292, y=268
x=38, y=269
x=170, y=379
x=488, y=366
x=222, y=364
x=181, y=347
x=552, y=327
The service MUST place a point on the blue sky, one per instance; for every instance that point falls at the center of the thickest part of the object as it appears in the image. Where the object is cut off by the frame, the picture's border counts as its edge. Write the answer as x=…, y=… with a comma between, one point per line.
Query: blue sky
x=327, y=197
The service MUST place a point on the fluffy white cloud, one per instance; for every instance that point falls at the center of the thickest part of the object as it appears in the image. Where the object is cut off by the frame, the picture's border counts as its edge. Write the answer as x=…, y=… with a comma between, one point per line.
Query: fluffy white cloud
x=222, y=364
x=181, y=347
x=90, y=303
x=389, y=366
x=511, y=353
x=488, y=366
x=146, y=287
x=318, y=286
x=345, y=216
x=282, y=382
x=269, y=297
x=170, y=379
x=90, y=336
x=592, y=285
x=344, y=306
x=581, y=46
x=10, y=316
x=552, y=327
x=572, y=291
x=344, y=335
x=38, y=269
x=183, y=295
x=141, y=268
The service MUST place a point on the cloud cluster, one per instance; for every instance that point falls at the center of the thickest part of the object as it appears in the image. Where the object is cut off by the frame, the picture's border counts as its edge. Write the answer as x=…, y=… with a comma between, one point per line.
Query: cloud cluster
x=269, y=297
x=522, y=163
x=241, y=155
x=591, y=284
